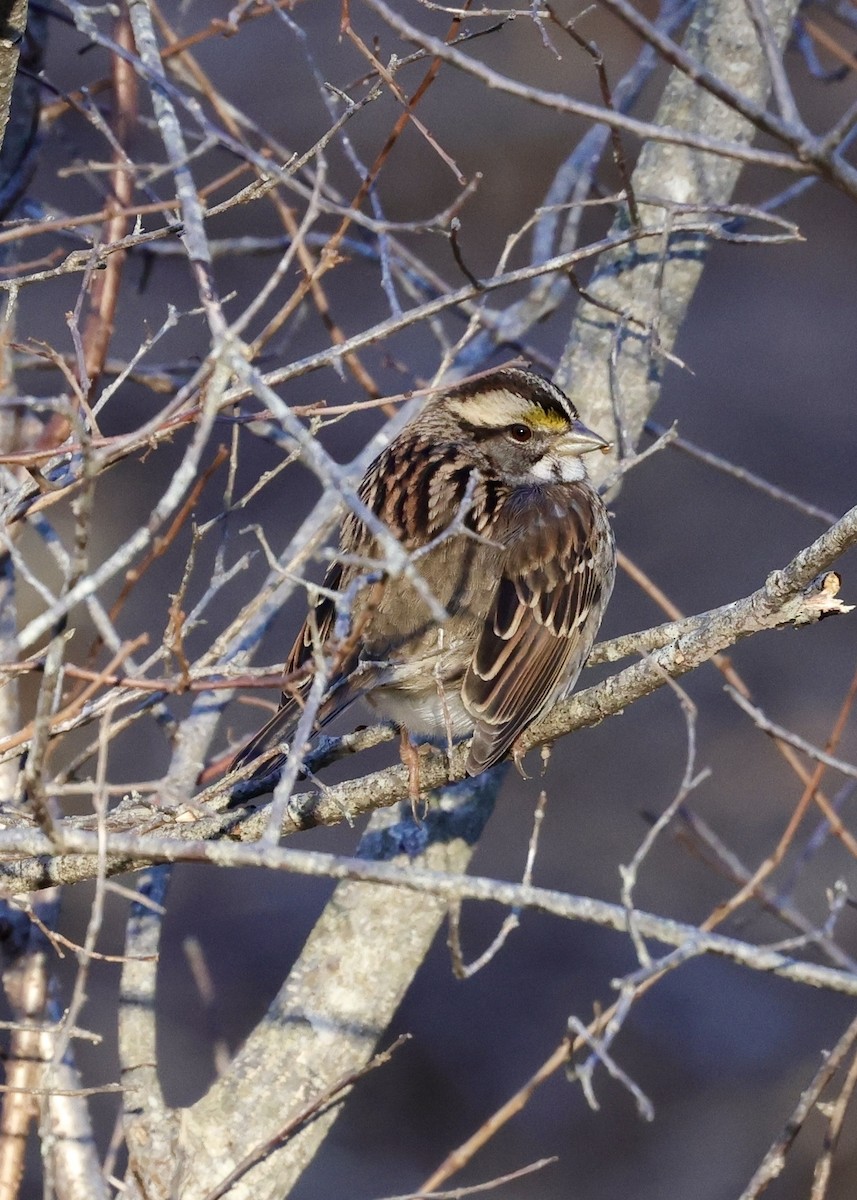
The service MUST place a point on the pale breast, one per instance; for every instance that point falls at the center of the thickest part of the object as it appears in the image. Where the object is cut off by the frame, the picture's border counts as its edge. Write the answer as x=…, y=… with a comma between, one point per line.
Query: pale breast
x=435, y=714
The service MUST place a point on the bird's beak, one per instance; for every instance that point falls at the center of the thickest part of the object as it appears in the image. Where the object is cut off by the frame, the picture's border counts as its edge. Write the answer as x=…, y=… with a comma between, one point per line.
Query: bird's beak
x=580, y=440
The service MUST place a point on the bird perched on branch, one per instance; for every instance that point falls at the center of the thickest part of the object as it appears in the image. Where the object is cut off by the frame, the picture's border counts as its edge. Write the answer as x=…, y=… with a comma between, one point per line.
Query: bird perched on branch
x=487, y=491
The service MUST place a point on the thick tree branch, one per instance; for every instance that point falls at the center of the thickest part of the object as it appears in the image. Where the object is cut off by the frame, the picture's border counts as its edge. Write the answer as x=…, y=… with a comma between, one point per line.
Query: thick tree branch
x=612, y=371
x=801, y=593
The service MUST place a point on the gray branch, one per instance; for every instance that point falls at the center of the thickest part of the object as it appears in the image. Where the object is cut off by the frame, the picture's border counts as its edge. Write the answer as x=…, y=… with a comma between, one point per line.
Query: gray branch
x=801, y=593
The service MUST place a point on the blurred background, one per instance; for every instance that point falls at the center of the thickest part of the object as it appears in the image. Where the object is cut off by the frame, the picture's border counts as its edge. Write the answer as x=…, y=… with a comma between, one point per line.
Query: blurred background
x=771, y=358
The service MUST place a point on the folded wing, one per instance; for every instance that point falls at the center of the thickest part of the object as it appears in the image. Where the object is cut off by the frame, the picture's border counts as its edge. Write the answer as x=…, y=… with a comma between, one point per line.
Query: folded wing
x=557, y=576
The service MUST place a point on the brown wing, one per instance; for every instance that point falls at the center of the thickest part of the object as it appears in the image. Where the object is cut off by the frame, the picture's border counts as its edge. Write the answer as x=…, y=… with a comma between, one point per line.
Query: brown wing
x=556, y=580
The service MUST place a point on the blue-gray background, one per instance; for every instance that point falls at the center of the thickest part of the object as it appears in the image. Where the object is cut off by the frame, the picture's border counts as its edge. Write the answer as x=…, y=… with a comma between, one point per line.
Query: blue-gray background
x=723, y=1053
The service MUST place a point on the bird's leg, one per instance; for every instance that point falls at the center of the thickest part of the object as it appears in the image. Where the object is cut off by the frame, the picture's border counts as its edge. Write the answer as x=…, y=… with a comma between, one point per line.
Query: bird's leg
x=410, y=757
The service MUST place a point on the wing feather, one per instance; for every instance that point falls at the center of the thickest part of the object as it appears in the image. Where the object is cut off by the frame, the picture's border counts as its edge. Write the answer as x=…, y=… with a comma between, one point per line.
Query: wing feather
x=557, y=574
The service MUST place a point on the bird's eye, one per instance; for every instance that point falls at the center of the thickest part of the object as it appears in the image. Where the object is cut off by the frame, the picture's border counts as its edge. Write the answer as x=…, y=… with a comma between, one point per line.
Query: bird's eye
x=520, y=433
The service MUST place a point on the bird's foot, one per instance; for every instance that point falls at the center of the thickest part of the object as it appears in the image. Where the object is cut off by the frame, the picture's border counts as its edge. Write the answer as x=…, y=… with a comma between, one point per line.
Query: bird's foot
x=518, y=753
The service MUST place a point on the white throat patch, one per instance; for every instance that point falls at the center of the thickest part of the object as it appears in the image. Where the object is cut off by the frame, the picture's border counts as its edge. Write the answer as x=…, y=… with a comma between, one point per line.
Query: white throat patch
x=557, y=468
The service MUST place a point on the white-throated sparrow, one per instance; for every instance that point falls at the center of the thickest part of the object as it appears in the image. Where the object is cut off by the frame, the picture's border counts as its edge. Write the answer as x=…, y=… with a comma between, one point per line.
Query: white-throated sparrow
x=486, y=487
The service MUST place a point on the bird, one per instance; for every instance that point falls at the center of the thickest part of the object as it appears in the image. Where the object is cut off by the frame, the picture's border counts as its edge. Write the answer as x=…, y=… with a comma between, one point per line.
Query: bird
x=487, y=491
